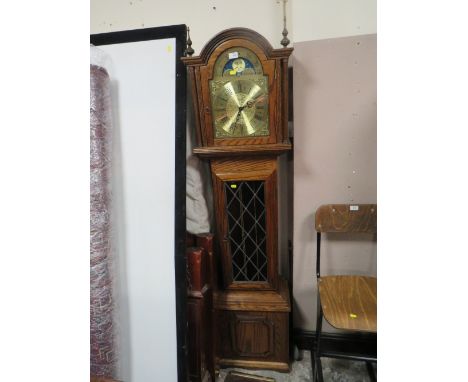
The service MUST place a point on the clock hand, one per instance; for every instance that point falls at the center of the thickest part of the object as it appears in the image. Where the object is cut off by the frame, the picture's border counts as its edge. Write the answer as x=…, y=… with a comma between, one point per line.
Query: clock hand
x=251, y=103
x=253, y=92
x=239, y=112
x=228, y=126
x=248, y=125
x=237, y=117
x=232, y=92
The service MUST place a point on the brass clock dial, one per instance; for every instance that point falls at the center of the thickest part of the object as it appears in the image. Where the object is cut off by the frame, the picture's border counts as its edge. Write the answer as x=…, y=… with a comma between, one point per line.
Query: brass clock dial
x=240, y=106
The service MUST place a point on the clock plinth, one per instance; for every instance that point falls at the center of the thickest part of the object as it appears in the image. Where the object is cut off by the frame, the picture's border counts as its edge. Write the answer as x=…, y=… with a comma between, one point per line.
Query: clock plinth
x=253, y=328
x=240, y=96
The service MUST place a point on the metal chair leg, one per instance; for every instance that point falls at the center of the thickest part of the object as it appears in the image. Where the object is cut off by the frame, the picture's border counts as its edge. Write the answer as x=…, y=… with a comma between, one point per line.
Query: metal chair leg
x=318, y=376
x=319, y=370
x=312, y=361
x=371, y=371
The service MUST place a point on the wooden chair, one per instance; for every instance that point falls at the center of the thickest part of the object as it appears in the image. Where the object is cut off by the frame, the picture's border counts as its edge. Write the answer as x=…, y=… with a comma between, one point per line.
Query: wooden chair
x=347, y=302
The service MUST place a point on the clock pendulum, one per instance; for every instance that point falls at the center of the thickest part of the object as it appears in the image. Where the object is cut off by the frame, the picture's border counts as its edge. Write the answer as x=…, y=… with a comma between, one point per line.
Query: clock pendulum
x=240, y=96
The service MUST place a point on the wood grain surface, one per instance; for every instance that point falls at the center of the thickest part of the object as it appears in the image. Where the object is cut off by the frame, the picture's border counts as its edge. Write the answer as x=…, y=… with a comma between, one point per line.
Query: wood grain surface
x=242, y=150
x=346, y=218
x=254, y=336
x=196, y=270
x=257, y=312
x=246, y=168
x=274, y=301
x=349, y=302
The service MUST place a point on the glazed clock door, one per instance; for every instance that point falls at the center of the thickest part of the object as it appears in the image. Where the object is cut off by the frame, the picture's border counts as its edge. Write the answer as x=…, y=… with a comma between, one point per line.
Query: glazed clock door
x=245, y=194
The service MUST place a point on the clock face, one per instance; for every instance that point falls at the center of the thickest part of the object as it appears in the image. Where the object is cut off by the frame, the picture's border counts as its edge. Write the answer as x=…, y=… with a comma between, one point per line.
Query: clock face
x=239, y=95
x=240, y=107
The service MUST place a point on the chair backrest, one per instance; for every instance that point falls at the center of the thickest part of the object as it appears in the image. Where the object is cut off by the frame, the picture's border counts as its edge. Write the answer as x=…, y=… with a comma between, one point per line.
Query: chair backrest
x=346, y=218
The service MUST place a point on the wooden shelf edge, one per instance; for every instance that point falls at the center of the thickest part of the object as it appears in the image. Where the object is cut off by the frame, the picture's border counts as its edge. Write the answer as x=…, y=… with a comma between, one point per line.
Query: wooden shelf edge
x=217, y=151
x=260, y=301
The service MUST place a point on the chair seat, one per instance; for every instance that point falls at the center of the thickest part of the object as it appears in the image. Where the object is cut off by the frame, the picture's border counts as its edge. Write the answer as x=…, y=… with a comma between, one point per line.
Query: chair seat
x=349, y=302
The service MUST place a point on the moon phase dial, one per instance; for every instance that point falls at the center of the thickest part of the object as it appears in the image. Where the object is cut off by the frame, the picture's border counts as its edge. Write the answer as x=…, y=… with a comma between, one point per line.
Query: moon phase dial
x=240, y=107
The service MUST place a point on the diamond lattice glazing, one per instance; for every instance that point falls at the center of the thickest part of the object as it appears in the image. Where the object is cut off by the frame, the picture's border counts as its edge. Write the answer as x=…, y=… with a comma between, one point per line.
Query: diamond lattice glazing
x=245, y=208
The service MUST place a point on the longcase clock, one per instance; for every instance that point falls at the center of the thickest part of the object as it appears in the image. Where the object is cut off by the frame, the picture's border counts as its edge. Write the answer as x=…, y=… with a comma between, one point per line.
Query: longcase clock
x=240, y=94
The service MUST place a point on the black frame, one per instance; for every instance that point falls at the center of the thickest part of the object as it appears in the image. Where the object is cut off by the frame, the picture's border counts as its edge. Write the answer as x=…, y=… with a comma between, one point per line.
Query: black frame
x=179, y=32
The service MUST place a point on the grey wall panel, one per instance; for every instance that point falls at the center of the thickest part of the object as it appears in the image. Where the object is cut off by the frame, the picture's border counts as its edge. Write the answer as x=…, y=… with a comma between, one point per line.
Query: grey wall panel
x=335, y=155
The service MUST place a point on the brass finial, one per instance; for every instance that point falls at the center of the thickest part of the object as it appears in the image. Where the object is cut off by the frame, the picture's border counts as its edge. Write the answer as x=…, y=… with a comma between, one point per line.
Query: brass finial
x=285, y=41
x=189, y=49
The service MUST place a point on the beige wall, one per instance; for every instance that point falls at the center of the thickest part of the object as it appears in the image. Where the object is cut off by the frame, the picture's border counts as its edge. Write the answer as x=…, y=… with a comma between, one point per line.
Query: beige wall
x=306, y=19
x=204, y=17
x=323, y=19
x=335, y=155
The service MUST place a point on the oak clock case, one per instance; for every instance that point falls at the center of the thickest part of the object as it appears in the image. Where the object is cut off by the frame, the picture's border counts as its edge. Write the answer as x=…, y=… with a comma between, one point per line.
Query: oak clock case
x=240, y=94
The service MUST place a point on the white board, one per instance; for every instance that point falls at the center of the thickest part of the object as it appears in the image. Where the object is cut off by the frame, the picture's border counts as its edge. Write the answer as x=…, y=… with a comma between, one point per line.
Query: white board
x=143, y=82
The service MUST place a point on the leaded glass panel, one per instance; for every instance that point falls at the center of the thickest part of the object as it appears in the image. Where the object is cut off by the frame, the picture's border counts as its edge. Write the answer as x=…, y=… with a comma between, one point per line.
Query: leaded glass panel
x=245, y=209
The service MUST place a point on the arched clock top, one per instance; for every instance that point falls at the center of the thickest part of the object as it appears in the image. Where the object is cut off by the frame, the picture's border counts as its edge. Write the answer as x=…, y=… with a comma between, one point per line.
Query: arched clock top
x=237, y=33
x=240, y=94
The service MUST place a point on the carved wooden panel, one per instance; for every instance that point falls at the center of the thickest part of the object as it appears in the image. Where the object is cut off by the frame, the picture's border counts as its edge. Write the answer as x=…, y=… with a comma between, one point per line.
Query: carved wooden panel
x=253, y=337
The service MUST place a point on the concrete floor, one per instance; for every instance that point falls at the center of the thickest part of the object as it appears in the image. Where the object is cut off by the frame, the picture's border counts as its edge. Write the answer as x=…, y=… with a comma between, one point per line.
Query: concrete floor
x=334, y=370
